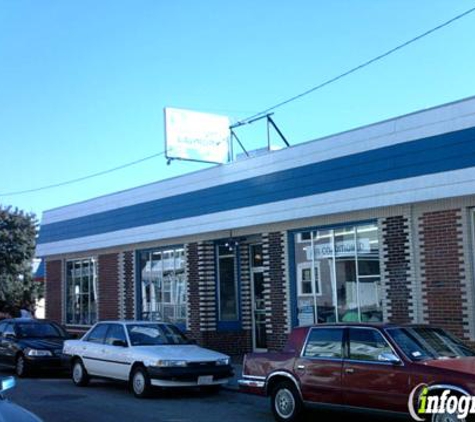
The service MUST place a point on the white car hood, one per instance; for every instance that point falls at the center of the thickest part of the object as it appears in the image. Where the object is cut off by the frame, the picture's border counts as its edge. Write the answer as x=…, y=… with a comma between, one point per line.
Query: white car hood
x=190, y=353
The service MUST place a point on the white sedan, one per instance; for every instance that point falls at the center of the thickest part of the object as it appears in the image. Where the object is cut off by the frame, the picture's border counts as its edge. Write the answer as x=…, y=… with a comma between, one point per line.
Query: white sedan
x=146, y=354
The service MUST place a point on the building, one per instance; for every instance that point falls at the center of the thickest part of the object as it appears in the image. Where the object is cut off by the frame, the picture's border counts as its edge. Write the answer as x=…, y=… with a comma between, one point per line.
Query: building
x=371, y=224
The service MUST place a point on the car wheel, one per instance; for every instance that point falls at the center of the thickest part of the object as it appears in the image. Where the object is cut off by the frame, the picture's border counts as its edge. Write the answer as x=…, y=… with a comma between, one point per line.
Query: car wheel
x=285, y=402
x=140, y=382
x=79, y=374
x=21, y=366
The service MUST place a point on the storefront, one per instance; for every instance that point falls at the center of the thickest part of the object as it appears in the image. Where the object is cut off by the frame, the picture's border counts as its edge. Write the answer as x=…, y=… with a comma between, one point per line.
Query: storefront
x=374, y=224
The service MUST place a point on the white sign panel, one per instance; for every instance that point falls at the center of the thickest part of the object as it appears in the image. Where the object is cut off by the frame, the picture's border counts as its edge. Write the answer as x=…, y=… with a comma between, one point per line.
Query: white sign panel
x=195, y=136
x=345, y=248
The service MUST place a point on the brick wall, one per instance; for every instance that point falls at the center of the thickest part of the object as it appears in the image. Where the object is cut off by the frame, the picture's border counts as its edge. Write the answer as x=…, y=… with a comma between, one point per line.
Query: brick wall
x=443, y=277
x=53, y=292
x=193, y=293
x=202, y=306
x=129, y=284
x=233, y=343
x=396, y=269
x=274, y=277
x=108, y=285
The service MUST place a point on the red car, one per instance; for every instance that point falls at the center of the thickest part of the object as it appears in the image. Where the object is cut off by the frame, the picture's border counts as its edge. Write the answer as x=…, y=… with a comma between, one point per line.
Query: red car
x=373, y=367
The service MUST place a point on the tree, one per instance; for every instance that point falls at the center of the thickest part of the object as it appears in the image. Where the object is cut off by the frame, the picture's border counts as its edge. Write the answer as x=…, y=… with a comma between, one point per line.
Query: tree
x=18, y=232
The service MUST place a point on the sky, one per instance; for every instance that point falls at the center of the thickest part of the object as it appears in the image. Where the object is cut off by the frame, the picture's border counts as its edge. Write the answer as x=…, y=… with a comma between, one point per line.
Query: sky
x=83, y=84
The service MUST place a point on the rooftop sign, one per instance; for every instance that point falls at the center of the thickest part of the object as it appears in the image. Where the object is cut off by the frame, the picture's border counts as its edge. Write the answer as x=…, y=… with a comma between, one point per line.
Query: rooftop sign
x=194, y=136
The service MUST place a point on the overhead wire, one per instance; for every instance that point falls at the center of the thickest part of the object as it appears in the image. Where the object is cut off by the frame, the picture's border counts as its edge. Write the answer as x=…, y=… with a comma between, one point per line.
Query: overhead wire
x=355, y=69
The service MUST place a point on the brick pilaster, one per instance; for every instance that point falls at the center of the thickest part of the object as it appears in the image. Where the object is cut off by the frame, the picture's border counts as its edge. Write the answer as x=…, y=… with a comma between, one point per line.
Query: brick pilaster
x=54, y=291
x=108, y=286
x=275, y=289
x=396, y=269
x=442, y=270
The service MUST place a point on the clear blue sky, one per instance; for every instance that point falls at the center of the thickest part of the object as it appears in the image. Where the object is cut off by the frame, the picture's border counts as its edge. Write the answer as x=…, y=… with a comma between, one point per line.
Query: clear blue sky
x=83, y=83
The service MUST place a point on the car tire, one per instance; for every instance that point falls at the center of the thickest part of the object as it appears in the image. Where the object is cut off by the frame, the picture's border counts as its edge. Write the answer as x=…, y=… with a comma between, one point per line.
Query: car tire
x=286, y=403
x=140, y=382
x=21, y=366
x=79, y=374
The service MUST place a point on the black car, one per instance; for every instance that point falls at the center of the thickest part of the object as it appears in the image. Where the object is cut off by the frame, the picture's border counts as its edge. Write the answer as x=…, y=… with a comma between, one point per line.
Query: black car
x=29, y=344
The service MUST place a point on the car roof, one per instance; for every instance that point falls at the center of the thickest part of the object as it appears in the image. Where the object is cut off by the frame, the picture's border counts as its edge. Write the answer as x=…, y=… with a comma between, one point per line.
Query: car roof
x=378, y=325
x=38, y=321
x=129, y=322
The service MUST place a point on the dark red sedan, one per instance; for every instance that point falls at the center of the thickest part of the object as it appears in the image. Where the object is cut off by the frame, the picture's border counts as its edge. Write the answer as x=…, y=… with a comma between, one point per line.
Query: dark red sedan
x=373, y=367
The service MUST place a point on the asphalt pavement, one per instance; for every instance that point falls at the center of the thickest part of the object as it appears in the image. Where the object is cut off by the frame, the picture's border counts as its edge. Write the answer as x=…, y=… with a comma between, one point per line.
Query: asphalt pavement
x=57, y=399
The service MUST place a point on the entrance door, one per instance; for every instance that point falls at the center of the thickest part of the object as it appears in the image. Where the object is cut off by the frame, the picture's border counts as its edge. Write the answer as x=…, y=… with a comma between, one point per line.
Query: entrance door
x=258, y=301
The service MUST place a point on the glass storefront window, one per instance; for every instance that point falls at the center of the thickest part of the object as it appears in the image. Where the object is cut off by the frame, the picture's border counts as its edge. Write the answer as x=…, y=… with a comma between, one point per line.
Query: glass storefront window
x=227, y=284
x=338, y=275
x=163, y=284
x=81, y=292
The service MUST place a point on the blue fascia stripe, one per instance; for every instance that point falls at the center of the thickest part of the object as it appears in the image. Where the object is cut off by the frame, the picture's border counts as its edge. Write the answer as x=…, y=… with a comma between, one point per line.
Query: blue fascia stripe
x=431, y=155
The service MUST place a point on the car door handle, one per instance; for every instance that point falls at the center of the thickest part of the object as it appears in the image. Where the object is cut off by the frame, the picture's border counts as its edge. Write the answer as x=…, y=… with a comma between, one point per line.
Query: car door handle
x=349, y=370
x=300, y=366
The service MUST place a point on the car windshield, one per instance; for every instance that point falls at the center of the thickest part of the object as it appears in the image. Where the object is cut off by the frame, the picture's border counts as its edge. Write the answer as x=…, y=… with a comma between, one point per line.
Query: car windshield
x=423, y=343
x=38, y=330
x=155, y=335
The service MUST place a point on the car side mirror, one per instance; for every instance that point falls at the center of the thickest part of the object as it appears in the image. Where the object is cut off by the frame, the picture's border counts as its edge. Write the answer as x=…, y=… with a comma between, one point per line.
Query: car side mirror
x=10, y=336
x=389, y=358
x=119, y=343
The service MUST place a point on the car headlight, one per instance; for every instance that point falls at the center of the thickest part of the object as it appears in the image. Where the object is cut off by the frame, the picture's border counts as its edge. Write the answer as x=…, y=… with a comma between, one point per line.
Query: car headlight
x=222, y=362
x=171, y=363
x=36, y=352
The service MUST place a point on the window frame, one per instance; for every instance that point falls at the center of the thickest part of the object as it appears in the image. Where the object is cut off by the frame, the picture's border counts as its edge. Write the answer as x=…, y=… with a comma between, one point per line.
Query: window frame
x=308, y=266
x=234, y=253
x=139, y=288
x=229, y=325
x=88, y=335
x=124, y=332
x=294, y=239
x=326, y=327
x=95, y=281
x=371, y=362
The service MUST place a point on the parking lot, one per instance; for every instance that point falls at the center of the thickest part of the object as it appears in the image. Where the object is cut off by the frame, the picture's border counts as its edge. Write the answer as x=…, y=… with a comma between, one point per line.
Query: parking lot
x=56, y=399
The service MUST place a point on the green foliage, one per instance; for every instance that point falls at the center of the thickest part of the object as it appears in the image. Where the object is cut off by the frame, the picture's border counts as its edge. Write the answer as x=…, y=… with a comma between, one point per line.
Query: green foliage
x=18, y=232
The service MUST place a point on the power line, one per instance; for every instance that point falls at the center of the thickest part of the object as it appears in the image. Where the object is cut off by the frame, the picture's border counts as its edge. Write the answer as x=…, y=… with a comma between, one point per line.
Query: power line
x=80, y=179
x=359, y=67
x=263, y=112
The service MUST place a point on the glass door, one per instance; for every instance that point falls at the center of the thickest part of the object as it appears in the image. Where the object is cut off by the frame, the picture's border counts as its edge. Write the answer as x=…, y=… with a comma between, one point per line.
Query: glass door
x=258, y=301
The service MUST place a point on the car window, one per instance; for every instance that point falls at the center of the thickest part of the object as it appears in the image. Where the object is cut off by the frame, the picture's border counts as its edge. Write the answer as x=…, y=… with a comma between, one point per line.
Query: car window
x=3, y=325
x=155, y=335
x=98, y=334
x=9, y=330
x=324, y=343
x=421, y=343
x=116, y=332
x=38, y=330
x=367, y=344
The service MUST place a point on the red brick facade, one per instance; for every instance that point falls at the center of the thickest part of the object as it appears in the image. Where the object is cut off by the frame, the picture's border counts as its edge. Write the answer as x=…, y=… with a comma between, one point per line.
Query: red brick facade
x=437, y=249
x=442, y=270
x=108, y=285
x=54, y=296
